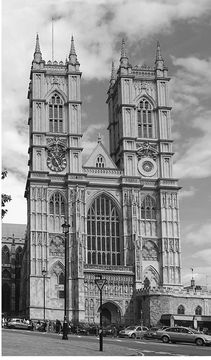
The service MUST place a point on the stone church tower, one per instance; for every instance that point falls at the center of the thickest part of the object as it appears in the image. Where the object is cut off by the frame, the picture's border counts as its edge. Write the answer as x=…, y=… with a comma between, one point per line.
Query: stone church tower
x=122, y=206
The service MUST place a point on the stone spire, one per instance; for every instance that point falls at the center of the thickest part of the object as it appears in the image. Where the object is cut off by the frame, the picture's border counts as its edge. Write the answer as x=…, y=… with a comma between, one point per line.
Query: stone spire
x=37, y=53
x=124, y=63
x=123, y=49
x=113, y=74
x=72, y=54
x=159, y=62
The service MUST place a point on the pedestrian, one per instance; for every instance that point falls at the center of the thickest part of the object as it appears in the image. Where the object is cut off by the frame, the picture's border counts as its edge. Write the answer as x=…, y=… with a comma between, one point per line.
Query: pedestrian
x=114, y=332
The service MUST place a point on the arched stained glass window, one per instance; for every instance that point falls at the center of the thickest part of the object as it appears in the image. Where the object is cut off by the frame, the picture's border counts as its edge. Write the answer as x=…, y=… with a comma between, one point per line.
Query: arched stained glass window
x=103, y=233
x=5, y=255
x=148, y=208
x=181, y=310
x=198, y=310
x=57, y=204
x=56, y=114
x=145, y=122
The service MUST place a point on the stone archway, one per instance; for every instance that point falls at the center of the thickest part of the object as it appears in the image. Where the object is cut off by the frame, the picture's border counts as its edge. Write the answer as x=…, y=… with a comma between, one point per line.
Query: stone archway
x=111, y=313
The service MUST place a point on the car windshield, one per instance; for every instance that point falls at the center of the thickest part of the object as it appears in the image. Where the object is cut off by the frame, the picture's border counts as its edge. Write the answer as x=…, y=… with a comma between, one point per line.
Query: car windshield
x=130, y=328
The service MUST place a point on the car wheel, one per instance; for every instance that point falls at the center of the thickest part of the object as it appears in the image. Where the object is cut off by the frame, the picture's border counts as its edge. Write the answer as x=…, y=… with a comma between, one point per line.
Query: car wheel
x=199, y=342
x=165, y=339
x=133, y=336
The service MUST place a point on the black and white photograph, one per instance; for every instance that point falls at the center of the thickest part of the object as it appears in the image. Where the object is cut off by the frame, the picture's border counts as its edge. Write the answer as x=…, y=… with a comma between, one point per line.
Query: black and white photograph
x=105, y=178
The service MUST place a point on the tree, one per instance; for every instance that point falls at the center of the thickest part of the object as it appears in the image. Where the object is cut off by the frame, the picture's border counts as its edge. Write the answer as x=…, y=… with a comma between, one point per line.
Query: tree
x=4, y=197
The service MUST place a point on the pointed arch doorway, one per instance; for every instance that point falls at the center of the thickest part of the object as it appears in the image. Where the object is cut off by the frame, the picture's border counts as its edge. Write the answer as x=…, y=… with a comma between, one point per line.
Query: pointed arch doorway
x=111, y=313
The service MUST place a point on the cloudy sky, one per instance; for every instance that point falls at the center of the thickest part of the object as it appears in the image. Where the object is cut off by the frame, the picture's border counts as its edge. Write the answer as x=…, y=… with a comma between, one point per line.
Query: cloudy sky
x=183, y=28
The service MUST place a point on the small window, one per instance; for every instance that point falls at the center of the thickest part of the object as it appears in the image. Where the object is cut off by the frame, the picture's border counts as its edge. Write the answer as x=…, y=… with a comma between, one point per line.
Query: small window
x=198, y=310
x=181, y=310
x=61, y=294
x=100, y=162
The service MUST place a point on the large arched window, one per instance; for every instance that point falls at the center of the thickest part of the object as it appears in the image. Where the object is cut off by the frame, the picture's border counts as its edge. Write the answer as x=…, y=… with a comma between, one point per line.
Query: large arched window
x=56, y=114
x=57, y=204
x=145, y=121
x=181, y=310
x=148, y=208
x=198, y=310
x=5, y=255
x=103, y=233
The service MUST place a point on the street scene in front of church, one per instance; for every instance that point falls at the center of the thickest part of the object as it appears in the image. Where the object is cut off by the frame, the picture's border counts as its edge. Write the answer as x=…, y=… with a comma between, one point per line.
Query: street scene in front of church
x=106, y=222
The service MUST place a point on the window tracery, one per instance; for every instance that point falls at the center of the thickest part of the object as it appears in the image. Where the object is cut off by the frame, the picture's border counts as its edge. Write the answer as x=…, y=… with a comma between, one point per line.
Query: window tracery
x=57, y=204
x=56, y=114
x=103, y=233
x=145, y=120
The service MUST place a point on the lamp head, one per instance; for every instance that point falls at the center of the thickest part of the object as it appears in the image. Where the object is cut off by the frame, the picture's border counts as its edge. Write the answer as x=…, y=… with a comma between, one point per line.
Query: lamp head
x=65, y=227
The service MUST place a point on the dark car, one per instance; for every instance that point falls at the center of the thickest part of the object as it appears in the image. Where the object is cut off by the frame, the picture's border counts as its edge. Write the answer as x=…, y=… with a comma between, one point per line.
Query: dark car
x=183, y=334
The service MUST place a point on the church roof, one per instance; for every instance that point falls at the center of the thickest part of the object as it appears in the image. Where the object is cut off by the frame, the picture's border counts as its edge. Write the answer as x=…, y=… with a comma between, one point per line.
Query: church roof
x=17, y=229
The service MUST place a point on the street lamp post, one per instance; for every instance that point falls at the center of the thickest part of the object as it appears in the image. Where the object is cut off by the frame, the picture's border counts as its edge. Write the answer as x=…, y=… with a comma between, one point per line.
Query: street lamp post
x=44, y=272
x=100, y=282
x=65, y=228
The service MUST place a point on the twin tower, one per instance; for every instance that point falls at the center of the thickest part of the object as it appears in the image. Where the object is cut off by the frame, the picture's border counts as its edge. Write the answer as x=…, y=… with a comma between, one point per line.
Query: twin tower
x=121, y=205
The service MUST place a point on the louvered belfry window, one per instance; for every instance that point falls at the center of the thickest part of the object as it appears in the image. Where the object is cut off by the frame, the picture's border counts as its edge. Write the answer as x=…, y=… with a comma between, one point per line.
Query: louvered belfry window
x=145, y=124
x=56, y=114
x=103, y=233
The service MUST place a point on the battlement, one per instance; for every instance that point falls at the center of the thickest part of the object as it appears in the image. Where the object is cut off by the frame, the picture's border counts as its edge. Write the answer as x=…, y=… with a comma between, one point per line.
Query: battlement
x=174, y=292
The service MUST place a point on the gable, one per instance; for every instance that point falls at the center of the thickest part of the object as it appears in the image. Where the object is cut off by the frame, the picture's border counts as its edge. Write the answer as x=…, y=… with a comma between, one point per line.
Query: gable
x=100, y=158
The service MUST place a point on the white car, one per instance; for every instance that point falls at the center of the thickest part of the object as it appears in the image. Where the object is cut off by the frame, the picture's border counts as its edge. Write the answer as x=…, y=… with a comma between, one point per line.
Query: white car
x=133, y=332
x=16, y=323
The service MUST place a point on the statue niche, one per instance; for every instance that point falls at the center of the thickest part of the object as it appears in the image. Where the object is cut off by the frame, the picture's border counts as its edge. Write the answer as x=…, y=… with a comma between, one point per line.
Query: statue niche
x=56, y=245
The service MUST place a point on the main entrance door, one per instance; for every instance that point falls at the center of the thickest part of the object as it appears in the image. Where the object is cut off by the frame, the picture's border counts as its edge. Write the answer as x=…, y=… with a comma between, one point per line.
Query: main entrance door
x=111, y=314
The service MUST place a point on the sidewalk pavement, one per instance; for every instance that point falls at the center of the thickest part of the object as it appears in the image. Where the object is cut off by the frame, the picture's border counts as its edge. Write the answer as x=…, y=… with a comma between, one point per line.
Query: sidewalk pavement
x=26, y=343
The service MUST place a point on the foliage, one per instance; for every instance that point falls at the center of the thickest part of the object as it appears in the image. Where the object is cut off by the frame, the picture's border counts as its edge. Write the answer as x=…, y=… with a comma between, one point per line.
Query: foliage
x=4, y=197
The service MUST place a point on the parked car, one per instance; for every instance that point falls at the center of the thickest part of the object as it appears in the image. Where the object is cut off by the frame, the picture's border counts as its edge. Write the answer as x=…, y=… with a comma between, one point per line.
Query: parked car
x=151, y=333
x=133, y=332
x=183, y=334
x=19, y=324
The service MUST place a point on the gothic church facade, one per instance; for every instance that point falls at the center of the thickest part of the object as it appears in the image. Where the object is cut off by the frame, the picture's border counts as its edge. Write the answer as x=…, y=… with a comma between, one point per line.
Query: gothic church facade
x=121, y=205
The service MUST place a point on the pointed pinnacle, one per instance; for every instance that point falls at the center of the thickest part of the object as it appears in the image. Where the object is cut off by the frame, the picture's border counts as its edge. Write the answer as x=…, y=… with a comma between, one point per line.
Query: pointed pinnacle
x=123, y=50
x=37, y=47
x=99, y=138
x=112, y=71
x=158, y=52
x=72, y=48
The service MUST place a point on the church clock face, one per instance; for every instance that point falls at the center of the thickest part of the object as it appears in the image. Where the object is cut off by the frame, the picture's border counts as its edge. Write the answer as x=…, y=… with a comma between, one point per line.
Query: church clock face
x=147, y=166
x=56, y=160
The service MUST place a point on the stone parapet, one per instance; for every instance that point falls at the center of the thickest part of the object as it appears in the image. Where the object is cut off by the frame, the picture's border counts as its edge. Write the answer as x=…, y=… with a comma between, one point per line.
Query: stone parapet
x=173, y=292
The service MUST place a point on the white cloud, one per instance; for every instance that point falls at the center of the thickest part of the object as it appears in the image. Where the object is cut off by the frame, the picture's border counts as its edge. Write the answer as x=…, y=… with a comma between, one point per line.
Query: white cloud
x=187, y=192
x=195, y=159
x=191, y=84
x=199, y=236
